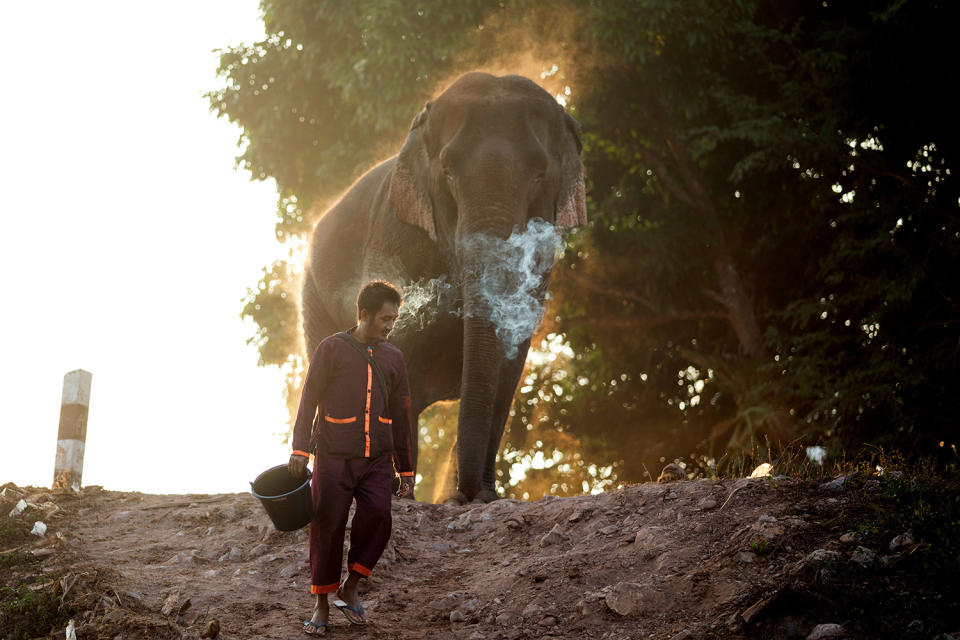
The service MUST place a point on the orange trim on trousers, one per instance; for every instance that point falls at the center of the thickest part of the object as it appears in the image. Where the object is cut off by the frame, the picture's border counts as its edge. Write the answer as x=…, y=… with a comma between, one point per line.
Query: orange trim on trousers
x=359, y=568
x=324, y=588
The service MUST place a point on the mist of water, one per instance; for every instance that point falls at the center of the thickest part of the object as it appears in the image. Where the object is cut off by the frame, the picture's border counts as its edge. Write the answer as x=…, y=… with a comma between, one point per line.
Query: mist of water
x=511, y=277
x=424, y=301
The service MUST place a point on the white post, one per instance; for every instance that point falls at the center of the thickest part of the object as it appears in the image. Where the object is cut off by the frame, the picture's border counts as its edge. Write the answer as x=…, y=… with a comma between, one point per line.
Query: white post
x=72, y=437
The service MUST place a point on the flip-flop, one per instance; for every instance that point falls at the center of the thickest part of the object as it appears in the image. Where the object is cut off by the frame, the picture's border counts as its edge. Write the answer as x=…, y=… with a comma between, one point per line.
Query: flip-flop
x=354, y=615
x=311, y=628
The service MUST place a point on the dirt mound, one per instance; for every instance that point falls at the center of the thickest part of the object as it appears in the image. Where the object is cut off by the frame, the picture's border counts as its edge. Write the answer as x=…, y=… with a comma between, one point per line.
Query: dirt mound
x=756, y=558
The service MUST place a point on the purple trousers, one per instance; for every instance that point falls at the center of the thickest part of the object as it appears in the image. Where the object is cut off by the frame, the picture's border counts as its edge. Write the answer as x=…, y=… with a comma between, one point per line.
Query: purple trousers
x=336, y=483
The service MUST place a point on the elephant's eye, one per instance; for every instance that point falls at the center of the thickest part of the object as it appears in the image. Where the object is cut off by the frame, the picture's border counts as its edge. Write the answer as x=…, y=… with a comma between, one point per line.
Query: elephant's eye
x=448, y=175
x=538, y=178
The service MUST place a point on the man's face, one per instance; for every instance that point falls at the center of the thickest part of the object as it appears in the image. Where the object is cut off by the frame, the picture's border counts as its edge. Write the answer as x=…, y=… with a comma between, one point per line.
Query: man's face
x=378, y=327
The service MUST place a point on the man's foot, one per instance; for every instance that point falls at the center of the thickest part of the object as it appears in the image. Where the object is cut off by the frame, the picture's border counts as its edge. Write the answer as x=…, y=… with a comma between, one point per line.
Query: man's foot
x=317, y=625
x=347, y=600
x=312, y=628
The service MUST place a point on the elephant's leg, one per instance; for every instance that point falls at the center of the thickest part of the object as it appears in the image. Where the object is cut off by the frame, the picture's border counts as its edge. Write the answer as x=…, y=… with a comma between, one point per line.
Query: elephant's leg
x=510, y=372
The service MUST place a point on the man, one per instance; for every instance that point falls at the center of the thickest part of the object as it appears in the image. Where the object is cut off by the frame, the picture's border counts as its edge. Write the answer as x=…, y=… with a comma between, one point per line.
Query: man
x=356, y=398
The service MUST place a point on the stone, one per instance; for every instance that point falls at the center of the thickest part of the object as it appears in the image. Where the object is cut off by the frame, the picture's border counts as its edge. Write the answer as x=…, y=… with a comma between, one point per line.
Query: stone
x=170, y=604
x=626, y=598
x=682, y=635
x=672, y=473
x=837, y=484
x=863, y=556
x=849, y=537
x=902, y=541
x=533, y=610
x=914, y=630
x=457, y=616
x=506, y=619
x=706, y=504
x=470, y=606
x=548, y=621
x=258, y=550
x=288, y=571
x=747, y=557
x=824, y=631
x=476, y=635
x=552, y=537
x=580, y=514
x=613, y=528
x=762, y=471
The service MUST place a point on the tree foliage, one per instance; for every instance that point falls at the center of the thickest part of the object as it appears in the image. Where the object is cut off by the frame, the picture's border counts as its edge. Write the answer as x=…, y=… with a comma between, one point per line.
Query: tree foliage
x=774, y=220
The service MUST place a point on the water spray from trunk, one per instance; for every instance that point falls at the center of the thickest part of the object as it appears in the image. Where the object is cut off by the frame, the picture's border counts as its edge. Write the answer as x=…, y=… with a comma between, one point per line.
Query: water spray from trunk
x=507, y=279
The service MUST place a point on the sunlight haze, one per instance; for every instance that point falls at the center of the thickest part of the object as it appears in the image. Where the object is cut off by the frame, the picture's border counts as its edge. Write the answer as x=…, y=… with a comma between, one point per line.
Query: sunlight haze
x=128, y=241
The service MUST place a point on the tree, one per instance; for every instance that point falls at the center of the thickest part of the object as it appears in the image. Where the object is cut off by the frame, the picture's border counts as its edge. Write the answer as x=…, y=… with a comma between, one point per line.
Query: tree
x=773, y=213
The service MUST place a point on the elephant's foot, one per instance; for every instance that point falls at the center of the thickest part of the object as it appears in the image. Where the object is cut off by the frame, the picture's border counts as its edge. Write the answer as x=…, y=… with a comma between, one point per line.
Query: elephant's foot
x=456, y=500
x=486, y=495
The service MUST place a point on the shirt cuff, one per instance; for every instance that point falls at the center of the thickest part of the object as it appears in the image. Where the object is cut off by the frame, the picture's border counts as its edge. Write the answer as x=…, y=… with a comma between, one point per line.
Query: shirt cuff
x=297, y=452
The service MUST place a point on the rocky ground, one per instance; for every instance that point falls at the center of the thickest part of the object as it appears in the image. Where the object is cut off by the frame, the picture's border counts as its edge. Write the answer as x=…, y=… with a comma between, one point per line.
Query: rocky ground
x=739, y=558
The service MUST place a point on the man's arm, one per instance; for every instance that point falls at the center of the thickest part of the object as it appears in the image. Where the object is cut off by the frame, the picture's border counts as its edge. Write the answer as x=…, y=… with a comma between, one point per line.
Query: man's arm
x=400, y=412
x=310, y=395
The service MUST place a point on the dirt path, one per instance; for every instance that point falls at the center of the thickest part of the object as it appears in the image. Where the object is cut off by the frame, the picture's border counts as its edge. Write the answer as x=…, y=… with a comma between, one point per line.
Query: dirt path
x=700, y=559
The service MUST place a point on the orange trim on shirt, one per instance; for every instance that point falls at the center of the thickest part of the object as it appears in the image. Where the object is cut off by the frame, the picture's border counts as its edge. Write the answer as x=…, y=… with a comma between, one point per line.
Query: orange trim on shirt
x=324, y=588
x=385, y=420
x=407, y=474
x=366, y=415
x=359, y=568
x=341, y=420
x=301, y=453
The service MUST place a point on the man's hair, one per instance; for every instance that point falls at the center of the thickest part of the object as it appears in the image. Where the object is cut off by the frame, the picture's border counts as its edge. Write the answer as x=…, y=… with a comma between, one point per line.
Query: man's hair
x=374, y=294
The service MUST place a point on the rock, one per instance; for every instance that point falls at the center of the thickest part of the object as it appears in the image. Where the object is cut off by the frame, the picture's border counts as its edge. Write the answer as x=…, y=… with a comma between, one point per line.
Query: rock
x=533, y=610
x=625, y=598
x=170, y=604
x=706, y=504
x=863, y=556
x=914, y=630
x=766, y=519
x=258, y=550
x=457, y=616
x=470, y=606
x=514, y=523
x=823, y=631
x=211, y=630
x=39, y=529
x=288, y=572
x=747, y=556
x=449, y=601
x=552, y=537
x=672, y=473
x=849, y=537
x=548, y=621
x=506, y=619
x=580, y=514
x=837, y=484
x=899, y=543
x=613, y=528
x=476, y=635
x=588, y=605
x=754, y=610
x=683, y=635
x=762, y=471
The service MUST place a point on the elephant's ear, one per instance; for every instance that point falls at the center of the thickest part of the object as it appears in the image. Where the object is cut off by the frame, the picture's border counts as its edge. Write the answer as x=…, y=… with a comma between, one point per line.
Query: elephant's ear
x=572, y=203
x=409, y=187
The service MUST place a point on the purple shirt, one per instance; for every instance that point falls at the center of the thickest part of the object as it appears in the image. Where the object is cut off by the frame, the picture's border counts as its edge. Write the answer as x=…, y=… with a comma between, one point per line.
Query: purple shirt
x=342, y=397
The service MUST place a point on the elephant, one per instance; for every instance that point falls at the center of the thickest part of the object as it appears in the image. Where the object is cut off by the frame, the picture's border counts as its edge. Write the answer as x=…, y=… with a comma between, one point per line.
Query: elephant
x=466, y=220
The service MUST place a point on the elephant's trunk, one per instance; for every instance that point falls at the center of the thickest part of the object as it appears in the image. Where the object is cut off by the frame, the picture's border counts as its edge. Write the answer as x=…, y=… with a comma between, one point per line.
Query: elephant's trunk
x=482, y=354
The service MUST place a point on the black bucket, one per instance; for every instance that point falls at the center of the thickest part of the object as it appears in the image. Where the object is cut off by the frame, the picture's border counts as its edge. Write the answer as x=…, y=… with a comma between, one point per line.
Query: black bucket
x=286, y=499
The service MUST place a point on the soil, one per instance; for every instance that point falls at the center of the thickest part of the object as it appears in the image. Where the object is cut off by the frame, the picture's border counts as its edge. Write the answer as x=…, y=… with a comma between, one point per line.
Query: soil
x=744, y=558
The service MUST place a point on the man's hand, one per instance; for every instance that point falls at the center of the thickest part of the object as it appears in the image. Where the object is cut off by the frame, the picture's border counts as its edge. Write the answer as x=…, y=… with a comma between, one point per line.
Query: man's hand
x=297, y=466
x=406, y=486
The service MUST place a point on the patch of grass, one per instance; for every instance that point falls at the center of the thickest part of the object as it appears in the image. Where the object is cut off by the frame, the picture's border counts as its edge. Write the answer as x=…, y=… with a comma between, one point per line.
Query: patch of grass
x=25, y=613
x=760, y=547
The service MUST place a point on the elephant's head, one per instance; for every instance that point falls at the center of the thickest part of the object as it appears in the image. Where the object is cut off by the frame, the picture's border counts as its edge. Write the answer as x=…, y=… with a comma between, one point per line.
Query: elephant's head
x=482, y=161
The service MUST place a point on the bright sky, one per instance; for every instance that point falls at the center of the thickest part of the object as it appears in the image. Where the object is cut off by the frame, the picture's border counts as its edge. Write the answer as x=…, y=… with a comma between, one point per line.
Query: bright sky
x=127, y=242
